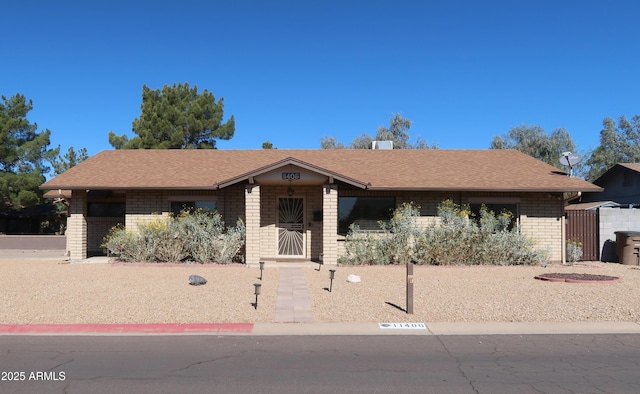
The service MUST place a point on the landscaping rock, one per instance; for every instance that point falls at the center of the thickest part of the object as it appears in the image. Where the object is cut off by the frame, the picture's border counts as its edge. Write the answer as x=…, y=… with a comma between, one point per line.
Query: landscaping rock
x=197, y=280
x=353, y=279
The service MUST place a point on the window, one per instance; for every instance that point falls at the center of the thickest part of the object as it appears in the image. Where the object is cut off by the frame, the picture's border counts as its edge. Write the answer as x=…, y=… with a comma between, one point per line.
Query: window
x=179, y=206
x=497, y=208
x=106, y=209
x=366, y=212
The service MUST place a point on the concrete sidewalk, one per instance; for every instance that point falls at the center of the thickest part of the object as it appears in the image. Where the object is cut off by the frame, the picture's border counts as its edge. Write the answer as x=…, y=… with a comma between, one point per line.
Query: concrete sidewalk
x=33, y=254
x=272, y=329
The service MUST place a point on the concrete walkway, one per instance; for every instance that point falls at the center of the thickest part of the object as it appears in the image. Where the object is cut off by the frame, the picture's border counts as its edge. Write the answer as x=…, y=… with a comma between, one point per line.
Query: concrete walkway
x=293, y=303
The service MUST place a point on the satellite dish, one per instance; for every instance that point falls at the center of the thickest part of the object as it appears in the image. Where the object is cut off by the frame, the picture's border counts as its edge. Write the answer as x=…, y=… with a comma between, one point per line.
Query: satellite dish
x=570, y=159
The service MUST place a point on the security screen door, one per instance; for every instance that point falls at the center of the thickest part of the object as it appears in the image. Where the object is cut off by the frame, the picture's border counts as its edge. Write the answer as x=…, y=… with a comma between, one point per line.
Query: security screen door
x=290, y=226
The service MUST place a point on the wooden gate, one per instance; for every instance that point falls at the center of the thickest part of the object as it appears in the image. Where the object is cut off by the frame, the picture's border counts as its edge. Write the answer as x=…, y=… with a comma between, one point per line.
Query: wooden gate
x=582, y=226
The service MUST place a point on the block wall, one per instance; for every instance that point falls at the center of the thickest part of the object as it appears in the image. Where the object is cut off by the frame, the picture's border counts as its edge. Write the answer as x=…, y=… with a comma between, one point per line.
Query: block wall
x=612, y=220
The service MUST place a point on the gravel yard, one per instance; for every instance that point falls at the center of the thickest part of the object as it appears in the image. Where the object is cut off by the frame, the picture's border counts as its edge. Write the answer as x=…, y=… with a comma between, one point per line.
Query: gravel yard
x=49, y=291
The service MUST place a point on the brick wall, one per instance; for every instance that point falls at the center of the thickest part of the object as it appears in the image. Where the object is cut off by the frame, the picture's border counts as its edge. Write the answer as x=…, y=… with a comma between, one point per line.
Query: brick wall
x=541, y=219
x=330, y=225
x=252, y=223
x=231, y=204
x=77, y=226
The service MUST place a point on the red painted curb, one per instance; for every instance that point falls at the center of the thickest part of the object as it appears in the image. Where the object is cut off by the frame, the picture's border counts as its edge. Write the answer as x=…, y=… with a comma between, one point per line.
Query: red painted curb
x=160, y=328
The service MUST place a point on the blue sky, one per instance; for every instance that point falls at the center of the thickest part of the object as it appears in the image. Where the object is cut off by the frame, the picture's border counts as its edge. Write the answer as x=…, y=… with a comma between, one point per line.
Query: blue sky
x=292, y=72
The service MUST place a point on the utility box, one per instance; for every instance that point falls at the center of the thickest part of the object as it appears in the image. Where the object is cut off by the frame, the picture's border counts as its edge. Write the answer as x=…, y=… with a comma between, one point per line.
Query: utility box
x=628, y=247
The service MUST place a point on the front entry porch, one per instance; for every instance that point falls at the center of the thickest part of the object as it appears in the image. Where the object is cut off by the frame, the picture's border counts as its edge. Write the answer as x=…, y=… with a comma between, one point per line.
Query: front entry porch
x=291, y=221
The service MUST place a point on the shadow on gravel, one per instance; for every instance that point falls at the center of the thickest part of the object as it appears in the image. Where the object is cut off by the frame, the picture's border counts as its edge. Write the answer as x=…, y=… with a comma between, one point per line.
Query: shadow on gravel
x=396, y=306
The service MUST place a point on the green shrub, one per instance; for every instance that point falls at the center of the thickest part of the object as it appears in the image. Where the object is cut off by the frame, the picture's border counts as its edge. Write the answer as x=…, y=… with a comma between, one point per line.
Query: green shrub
x=198, y=236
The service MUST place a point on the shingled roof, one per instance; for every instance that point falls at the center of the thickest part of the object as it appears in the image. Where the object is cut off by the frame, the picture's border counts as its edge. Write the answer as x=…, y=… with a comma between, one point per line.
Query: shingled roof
x=437, y=170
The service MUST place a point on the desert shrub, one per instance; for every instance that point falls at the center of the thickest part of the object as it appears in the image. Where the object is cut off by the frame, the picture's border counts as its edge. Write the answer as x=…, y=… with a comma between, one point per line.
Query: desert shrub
x=461, y=239
x=450, y=241
x=401, y=234
x=363, y=247
x=574, y=250
x=395, y=242
x=458, y=238
x=198, y=236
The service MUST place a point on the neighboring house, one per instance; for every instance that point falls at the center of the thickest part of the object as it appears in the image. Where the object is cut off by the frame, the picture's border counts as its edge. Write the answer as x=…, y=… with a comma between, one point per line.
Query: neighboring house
x=601, y=214
x=621, y=185
x=298, y=204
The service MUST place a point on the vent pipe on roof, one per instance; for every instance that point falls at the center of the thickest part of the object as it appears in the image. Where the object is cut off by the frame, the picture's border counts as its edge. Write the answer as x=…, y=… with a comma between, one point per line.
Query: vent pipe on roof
x=381, y=144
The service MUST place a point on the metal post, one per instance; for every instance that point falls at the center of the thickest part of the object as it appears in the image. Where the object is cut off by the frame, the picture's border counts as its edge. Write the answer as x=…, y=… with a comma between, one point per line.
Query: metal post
x=410, y=288
x=257, y=292
x=331, y=275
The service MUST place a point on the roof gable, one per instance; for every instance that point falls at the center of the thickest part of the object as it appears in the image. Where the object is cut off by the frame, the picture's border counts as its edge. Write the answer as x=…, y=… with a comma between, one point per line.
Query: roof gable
x=615, y=170
x=290, y=162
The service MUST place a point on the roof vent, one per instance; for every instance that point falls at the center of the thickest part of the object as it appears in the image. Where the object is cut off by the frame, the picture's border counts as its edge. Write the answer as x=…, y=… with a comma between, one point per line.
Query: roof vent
x=381, y=144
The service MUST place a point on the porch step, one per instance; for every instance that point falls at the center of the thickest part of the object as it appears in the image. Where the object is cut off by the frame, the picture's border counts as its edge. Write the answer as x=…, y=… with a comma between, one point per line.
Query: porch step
x=285, y=264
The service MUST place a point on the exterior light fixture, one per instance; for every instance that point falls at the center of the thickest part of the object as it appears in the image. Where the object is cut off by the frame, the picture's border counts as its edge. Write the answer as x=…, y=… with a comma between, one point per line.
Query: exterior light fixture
x=257, y=293
x=290, y=188
x=261, y=269
x=332, y=274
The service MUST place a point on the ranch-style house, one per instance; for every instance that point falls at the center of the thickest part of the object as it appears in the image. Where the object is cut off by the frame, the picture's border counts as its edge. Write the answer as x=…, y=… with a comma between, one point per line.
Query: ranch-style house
x=297, y=205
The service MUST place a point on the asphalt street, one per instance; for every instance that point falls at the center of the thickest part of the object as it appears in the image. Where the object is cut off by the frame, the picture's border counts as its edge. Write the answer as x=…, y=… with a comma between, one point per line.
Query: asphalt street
x=585, y=363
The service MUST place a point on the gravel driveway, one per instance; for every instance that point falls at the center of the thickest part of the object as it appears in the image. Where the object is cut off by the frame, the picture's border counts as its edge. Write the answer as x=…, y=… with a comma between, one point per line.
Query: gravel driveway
x=52, y=291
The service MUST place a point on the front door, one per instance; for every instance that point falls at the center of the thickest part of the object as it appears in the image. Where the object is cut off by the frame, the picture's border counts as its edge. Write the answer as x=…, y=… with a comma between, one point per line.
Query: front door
x=291, y=226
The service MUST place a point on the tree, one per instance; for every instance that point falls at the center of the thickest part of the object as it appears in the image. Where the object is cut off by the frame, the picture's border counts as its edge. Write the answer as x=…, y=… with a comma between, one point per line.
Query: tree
x=267, y=145
x=619, y=144
x=177, y=117
x=62, y=163
x=330, y=143
x=23, y=154
x=535, y=142
x=398, y=132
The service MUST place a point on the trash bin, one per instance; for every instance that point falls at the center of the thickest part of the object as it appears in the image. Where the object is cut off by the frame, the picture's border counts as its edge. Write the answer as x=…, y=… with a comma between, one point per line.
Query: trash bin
x=628, y=247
